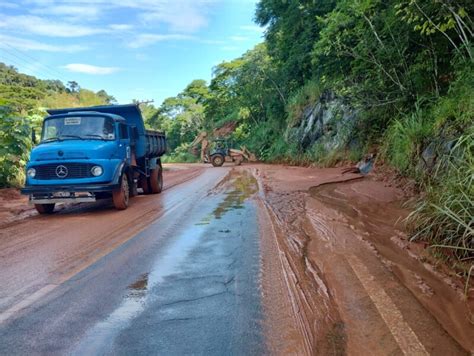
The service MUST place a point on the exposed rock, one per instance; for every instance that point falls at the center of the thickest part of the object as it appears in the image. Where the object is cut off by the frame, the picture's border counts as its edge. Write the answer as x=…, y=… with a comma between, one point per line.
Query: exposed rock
x=330, y=122
x=438, y=147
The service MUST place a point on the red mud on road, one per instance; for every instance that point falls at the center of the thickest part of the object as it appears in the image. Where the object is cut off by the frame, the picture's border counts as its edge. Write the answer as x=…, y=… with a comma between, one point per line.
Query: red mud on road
x=14, y=207
x=35, y=250
x=338, y=273
x=353, y=282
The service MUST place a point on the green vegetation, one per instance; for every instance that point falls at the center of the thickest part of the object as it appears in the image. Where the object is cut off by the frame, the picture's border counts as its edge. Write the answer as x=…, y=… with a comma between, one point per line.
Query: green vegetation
x=405, y=67
x=14, y=148
x=444, y=218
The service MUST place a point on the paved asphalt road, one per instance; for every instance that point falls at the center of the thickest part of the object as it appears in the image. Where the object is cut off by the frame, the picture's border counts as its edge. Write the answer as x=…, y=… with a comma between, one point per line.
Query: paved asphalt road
x=188, y=283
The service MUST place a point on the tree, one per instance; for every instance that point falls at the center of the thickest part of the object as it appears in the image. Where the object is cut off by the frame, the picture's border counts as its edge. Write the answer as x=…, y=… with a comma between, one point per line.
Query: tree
x=197, y=90
x=182, y=116
x=73, y=87
x=292, y=30
x=448, y=18
x=20, y=99
x=106, y=98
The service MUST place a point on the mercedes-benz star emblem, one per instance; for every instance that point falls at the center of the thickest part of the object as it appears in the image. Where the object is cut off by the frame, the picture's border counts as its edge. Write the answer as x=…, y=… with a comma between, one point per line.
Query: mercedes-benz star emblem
x=61, y=171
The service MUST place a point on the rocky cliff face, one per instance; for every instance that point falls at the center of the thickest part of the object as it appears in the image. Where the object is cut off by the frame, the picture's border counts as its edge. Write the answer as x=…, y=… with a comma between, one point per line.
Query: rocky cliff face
x=329, y=121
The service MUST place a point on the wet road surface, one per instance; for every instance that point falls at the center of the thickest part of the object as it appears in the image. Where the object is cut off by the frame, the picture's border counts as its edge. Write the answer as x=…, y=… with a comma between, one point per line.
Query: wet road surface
x=188, y=283
x=258, y=259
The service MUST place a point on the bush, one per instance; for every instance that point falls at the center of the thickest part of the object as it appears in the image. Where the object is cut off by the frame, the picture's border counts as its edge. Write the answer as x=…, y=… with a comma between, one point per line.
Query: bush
x=180, y=155
x=15, y=144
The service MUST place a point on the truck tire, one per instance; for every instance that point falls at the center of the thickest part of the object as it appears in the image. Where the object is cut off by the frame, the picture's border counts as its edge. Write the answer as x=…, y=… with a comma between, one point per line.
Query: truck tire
x=121, y=195
x=217, y=160
x=45, y=208
x=156, y=180
x=144, y=184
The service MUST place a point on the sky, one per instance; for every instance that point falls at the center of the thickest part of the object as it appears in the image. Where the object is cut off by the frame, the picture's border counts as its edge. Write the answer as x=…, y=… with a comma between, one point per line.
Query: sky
x=133, y=49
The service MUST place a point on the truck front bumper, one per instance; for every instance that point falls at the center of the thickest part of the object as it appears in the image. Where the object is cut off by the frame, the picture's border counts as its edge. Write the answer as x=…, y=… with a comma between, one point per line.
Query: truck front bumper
x=47, y=194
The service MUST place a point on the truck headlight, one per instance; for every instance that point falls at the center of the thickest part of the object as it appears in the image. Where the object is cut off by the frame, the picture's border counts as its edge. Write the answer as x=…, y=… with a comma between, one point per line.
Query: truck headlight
x=97, y=171
x=31, y=172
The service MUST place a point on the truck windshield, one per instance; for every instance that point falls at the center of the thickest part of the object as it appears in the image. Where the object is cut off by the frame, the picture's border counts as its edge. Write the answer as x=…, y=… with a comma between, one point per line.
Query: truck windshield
x=78, y=127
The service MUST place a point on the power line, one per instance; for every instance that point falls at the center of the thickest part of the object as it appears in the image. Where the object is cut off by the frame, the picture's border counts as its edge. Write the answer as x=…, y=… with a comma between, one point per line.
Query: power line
x=30, y=65
x=35, y=60
x=14, y=61
x=26, y=55
x=32, y=61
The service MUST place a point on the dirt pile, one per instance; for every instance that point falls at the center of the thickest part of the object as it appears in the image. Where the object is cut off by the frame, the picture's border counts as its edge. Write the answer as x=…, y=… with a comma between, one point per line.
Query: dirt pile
x=225, y=130
x=13, y=206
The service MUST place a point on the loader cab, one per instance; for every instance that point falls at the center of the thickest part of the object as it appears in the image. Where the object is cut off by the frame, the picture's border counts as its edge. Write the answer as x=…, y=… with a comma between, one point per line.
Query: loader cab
x=219, y=146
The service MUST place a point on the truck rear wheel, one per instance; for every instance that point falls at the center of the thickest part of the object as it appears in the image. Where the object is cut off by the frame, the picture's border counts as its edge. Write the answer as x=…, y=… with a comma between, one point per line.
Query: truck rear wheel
x=217, y=160
x=156, y=180
x=121, y=195
x=44, y=208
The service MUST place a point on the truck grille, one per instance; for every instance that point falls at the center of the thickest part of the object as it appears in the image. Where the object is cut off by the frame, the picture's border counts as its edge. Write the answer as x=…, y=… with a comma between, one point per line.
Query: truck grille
x=63, y=171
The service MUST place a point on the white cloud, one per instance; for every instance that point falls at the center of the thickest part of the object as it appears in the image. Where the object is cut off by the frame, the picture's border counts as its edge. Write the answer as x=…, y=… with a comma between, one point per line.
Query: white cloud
x=90, y=69
x=41, y=26
x=185, y=16
x=83, y=12
x=179, y=17
x=120, y=27
x=30, y=45
x=147, y=39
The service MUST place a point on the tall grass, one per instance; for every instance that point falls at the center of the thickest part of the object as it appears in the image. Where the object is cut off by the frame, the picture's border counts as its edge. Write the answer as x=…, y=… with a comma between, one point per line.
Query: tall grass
x=445, y=216
x=298, y=102
x=405, y=140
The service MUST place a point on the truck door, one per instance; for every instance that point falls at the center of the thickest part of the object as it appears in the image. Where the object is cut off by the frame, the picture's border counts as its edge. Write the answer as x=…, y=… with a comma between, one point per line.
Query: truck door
x=124, y=142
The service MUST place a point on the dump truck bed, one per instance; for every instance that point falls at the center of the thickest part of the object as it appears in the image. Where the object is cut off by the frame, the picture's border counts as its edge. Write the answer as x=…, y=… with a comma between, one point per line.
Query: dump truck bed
x=155, y=143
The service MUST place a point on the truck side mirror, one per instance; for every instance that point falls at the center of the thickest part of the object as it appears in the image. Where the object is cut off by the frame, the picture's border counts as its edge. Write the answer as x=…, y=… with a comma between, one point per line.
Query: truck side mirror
x=33, y=136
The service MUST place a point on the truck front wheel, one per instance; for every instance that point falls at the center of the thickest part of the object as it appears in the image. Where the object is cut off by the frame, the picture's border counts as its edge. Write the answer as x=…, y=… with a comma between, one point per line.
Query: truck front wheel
x=217, y=160
x=156, y=180
x=44, y=208
x=122, y=194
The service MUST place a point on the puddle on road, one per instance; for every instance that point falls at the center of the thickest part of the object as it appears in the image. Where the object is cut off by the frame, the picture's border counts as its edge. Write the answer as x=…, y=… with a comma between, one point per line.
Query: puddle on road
x=138, y=289
x=242, y=185
x=238, y=186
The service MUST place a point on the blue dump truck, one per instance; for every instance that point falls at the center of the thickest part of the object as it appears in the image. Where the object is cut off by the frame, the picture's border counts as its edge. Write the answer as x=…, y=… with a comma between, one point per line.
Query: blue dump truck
x=86, y=154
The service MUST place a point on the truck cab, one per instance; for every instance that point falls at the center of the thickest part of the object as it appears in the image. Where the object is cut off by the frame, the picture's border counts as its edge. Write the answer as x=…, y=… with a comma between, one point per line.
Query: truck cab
x=87, y=154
